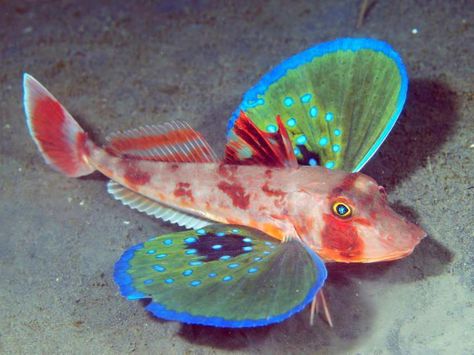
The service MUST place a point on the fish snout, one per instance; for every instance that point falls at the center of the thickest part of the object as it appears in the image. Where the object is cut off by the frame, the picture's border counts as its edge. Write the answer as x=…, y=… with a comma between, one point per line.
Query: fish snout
x=400, y=235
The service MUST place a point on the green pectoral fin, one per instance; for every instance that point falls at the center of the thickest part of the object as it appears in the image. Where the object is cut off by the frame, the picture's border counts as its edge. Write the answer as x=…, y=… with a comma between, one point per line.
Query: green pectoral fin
x=338, y=100
x=223, y=276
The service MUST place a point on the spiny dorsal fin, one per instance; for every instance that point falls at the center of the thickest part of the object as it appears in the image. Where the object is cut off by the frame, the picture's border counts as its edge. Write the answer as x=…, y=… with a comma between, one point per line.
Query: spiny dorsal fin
x=153, y=208
x=170, y=142
x=250, y=145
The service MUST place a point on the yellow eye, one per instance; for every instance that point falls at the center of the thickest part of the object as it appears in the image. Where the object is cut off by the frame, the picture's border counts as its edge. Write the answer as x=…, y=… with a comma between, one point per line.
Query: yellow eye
x=341, y=209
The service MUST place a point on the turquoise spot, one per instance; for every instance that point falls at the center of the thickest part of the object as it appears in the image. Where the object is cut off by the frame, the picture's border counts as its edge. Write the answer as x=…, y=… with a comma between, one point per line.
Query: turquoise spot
x=148, y=282
x=271, y=128
x=291, y=122
x=195, y=263
x=247, y=240
x=313, y=111
x=158, y=268
x=201, y=231
x=169, y=281
x=224, y=257
x=247, y=248
x=336, y=148
x=190, y=240
x=233, y=266
x=195, y=283
x=337, y=132
x=217, y=246
x=220, y=234
x=226, y=278
x=212, y=274
x=258, y=258
x=187, y=272
x=330, y=164
x=260, y=101
x=297, y=151
x=268, y=243
x=329, y=116
x=301, y=140
x=252, y=270
x=288, y=101
x=168, y=242
x=161, y=256
x=190, y=251
x=151, y=251
x=323, y=141
x=251, y=103
x=312, y=162
x=305, y=98
x=235, y=230
x=266, y=253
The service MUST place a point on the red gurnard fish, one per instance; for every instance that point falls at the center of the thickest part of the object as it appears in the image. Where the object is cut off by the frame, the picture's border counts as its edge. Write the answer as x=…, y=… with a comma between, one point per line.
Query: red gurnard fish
x=343, y=217
x=290, y=173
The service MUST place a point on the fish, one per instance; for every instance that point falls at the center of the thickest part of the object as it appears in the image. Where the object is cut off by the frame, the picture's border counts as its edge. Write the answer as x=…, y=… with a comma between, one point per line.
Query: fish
x=287, y=197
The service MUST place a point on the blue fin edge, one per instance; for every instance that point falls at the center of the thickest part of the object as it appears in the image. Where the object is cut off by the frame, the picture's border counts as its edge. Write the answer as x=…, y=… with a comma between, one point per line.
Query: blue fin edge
x=125, y=283
x=354, y=44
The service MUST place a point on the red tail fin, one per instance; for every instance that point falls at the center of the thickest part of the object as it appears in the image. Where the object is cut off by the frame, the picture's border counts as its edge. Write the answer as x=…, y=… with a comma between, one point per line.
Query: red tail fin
x=59, y=138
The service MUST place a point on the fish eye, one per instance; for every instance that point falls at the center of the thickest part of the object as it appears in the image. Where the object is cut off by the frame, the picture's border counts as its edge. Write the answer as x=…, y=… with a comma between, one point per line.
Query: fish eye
x=341, y=209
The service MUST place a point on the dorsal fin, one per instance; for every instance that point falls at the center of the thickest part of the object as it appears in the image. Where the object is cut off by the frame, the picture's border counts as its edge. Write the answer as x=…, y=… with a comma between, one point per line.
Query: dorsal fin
x=170, y=142
x=152, y=208
x=250, y=145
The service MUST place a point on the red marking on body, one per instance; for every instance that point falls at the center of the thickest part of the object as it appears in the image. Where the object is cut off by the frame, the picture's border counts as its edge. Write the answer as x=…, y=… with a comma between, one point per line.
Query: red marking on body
x=173, y=167
x=346, y=185
x=227, y=171
x=234, y=221
x=183, y=189
x=273, y=231
x=134, y=177
x=340, y=240
x=237, y=194
x=278, y=194
x=373, y=215
x=268, y=173
x=363, y=221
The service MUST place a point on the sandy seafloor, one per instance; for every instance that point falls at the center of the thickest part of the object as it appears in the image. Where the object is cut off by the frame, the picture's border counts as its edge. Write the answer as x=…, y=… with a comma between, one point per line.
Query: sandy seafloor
x=123, y=64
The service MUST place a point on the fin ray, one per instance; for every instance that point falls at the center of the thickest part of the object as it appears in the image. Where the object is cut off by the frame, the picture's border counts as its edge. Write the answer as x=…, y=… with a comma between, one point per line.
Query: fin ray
x=153, y=208
x=59, y=138
x=251, y=145
x=172, y=142
x=221, y=276
x=338, y=100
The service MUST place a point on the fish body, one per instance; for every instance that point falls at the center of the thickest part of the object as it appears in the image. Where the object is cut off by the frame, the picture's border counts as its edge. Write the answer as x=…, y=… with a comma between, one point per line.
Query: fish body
x=282, y=202
x=286, y=197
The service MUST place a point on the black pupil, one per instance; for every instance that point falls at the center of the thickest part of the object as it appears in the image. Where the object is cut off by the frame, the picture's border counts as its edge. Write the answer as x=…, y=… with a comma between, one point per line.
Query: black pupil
x=342, y=210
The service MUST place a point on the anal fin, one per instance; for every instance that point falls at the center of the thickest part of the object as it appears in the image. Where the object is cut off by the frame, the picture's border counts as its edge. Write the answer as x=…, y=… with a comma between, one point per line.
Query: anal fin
x=153, y=208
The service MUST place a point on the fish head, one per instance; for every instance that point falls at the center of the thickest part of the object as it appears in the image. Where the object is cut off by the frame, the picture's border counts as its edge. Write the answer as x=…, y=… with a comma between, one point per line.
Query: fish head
x=360, y=226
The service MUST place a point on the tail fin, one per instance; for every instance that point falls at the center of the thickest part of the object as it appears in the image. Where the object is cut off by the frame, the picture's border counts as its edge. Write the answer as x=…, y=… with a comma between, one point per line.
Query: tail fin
x=60, y=139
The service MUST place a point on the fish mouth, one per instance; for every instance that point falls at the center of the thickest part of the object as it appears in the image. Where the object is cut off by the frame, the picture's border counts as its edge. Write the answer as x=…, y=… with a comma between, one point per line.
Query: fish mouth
x=416, y=234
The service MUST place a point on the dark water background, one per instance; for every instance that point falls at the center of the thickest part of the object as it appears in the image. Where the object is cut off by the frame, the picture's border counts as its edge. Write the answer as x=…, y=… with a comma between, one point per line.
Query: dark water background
x=123, y=64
